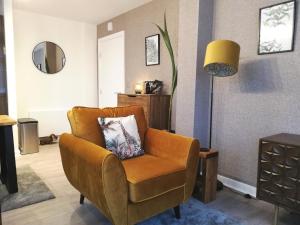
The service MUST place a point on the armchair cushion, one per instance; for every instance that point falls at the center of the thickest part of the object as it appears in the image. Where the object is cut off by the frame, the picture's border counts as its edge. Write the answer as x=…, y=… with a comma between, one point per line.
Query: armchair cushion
x=121, y=136
x=150, y=176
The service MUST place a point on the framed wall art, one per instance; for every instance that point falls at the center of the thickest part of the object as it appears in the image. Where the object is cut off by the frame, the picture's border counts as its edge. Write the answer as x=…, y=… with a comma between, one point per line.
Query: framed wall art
x=152, y=50
x=276, y=28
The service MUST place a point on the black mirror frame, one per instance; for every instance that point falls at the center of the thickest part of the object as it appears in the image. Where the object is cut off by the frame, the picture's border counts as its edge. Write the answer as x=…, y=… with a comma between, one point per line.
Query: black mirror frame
x=39, y=65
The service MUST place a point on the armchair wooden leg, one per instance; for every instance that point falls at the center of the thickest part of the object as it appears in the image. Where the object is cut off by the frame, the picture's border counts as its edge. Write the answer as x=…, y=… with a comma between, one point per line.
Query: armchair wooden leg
x=81, y=199
x=177, y=212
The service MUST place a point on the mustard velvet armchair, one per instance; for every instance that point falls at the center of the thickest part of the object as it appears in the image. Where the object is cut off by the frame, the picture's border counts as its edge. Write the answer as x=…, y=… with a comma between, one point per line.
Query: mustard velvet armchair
x=132, y=190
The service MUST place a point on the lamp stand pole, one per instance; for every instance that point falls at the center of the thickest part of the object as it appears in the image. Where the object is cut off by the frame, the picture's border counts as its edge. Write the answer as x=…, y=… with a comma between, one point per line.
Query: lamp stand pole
x=219, y=183
x=211, y=110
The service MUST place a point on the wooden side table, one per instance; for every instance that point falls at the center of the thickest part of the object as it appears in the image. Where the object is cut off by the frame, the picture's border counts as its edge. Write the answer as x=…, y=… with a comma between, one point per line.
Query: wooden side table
x=206, y=184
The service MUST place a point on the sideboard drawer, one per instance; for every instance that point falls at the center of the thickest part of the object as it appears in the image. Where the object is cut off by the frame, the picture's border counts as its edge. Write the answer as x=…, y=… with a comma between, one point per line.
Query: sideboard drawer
x=141, y=100
x=156, y=107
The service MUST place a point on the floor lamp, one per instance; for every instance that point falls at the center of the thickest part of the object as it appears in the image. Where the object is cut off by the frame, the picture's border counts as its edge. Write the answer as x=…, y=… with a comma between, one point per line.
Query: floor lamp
x=221, y=60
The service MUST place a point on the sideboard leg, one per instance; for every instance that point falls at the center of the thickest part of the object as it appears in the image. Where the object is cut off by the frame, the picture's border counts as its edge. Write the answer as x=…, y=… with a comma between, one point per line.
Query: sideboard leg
x=81, y=201
x=276, y=215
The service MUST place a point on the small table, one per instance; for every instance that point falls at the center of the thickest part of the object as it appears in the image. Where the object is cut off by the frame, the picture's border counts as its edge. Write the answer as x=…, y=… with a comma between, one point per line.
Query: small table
x=206, y=183
x=7, y=154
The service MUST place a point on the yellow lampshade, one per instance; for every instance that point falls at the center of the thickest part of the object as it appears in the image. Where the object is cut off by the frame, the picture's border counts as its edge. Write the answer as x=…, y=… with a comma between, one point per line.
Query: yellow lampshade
x=222, y=58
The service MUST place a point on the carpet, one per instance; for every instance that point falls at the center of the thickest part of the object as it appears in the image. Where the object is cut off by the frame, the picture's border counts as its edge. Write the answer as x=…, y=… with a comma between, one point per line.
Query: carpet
x=31, y=190
x=193, y=212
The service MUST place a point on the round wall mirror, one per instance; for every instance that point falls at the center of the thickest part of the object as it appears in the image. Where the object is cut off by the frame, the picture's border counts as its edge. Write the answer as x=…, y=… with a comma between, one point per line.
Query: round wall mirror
x=48, y=57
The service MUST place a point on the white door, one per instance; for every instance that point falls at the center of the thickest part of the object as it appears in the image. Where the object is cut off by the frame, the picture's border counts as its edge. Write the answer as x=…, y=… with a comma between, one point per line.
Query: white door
x=111, y=69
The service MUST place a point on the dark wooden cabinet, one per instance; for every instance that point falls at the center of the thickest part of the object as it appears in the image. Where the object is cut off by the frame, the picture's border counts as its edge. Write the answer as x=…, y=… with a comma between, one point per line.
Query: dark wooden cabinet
x=279, y=171
x=156, y=107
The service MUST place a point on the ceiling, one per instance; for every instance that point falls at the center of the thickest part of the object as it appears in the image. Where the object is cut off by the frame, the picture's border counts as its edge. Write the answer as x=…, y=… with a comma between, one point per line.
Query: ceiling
x=90, y=11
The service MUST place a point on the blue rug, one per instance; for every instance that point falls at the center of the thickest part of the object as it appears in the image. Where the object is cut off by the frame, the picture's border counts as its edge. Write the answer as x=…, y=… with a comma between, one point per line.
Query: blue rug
x=193, y=213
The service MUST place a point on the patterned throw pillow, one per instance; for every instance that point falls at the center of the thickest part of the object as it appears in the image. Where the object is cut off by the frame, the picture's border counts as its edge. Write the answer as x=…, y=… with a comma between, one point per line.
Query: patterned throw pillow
x=122, y=136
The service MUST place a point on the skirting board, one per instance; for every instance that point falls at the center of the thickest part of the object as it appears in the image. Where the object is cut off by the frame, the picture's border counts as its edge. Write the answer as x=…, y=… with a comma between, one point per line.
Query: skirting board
x=51, y=121
x=238, y=186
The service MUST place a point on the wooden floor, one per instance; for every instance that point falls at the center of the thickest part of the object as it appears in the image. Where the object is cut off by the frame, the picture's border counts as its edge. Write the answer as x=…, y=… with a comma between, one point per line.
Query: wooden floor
x=65, y=208
x=251, y=211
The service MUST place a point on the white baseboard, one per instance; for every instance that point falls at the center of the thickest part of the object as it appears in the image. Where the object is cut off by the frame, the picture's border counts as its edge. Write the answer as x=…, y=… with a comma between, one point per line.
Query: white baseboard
x=17, y=153
x=238, y=186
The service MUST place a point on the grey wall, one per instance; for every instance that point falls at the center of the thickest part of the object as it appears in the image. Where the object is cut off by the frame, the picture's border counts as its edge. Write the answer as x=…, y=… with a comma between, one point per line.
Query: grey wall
x=192, y=94
x=261, y=100
x=1, y=8
x=138, y=24
x=203, y=80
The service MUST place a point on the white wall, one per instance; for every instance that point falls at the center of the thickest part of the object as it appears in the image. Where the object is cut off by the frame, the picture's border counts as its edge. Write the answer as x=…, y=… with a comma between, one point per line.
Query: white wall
x=187, y=66
x=10, y=57
x=76, y=84
x=10, y=63
x=193, y=89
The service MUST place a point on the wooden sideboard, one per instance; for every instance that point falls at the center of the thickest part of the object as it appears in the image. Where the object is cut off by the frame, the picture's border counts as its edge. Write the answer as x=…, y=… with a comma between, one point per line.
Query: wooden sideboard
x=278, y=179
x=156, y=107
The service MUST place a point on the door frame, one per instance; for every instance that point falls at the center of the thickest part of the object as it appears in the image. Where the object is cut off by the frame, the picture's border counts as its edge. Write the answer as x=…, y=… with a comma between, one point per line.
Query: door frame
x=106, y=38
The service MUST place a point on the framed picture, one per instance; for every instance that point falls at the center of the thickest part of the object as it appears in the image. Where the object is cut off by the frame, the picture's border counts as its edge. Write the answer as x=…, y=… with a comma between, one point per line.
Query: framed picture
x=152, y=50
x=276, y=28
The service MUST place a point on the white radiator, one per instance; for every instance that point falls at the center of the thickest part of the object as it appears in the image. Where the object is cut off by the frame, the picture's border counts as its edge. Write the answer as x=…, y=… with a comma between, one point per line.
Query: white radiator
x=51, y=121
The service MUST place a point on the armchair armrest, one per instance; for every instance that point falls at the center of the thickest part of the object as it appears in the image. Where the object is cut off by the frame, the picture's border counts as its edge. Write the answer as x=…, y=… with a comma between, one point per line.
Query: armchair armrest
x=97, y=174
x=176, y=148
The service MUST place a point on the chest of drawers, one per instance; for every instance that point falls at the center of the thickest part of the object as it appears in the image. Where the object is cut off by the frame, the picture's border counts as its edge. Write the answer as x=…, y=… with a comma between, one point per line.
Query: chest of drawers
x=156, y=107
x=279, y=171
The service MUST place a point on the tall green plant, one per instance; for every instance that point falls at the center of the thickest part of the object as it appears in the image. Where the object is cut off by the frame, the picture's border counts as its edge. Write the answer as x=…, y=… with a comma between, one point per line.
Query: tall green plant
x=165, y=34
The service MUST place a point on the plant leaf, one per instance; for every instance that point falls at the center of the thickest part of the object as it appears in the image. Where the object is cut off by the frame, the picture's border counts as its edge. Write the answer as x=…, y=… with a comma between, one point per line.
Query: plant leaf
x=165, y=34
x=174, y=81
x=165, y=22
x=168, y=44
x=161, y=31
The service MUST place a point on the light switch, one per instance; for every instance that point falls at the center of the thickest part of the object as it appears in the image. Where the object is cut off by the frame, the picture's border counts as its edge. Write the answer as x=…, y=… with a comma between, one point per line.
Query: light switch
x=109, y=26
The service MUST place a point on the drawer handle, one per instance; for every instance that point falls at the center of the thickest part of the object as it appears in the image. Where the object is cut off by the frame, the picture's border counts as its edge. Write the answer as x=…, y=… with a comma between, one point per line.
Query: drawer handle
x=131, y=96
